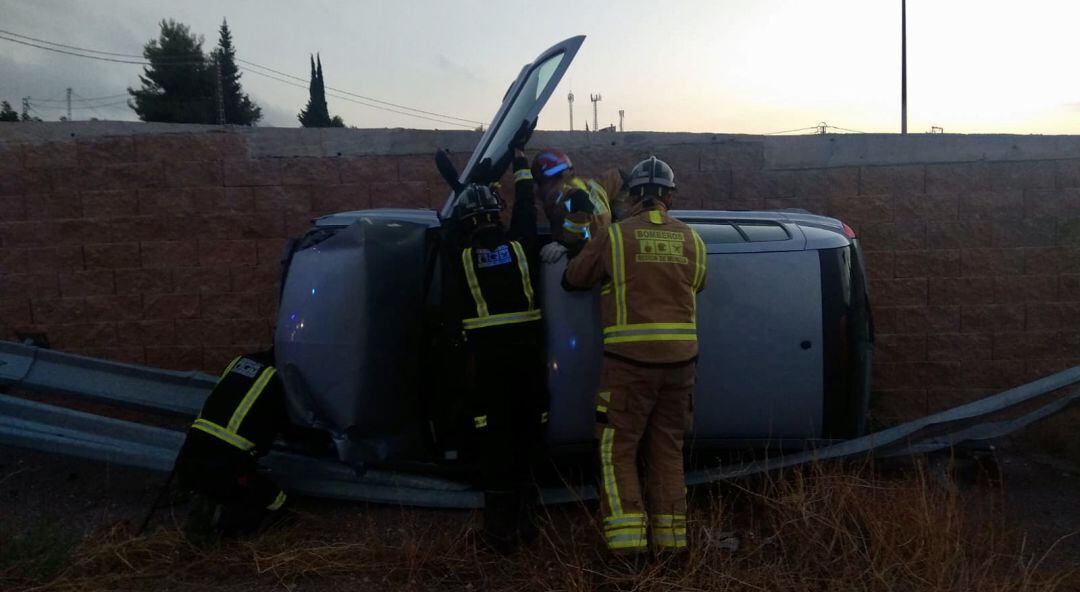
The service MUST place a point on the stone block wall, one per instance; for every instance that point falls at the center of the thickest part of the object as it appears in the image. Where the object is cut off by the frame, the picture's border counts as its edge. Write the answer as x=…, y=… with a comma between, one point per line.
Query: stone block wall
x=159, y=245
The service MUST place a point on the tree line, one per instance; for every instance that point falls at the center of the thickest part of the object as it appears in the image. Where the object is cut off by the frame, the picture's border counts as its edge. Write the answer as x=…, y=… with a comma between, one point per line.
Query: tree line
x=183, y=84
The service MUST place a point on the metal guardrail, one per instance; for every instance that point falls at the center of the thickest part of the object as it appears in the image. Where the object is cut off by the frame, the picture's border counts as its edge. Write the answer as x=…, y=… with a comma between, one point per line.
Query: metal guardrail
x=43, y=370
x=924, y=434
x=66, y=431
x=59, y=430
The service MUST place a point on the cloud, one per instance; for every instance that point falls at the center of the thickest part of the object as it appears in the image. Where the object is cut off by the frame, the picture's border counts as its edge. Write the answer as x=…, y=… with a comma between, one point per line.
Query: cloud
x=275, y=116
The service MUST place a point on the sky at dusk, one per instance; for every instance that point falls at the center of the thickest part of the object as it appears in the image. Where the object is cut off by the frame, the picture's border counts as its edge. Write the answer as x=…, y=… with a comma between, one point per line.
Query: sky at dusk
x=729, y=66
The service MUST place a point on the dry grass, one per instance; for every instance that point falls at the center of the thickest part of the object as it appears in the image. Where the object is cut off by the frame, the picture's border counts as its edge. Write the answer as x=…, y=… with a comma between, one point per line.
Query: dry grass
x=815, y=529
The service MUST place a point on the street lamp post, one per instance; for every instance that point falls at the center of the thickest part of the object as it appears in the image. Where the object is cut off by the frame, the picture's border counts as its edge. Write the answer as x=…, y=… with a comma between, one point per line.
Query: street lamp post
x=903, y=66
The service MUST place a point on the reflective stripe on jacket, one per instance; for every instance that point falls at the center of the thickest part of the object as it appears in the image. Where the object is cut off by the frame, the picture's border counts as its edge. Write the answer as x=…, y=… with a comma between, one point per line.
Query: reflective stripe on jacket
x=652, y=266
x=498, y=300
x=582, y=209
x=246, y=406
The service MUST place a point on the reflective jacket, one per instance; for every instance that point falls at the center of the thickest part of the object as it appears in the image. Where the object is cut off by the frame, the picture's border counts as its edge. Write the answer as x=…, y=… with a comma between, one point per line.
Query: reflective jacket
x=582, y=209
x=652, y=266
x=500, y=286
x=498, y=272
x=246, y=409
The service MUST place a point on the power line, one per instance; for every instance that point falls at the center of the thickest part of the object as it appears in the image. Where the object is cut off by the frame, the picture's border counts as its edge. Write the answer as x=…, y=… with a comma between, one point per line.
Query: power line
x=80, y=107
x=88, y=99
x=802, y=129
x=82, y=49
x=846, y=130
x=30, y=108
x=92, y=57
x=817, y=128
x=140, y=57
x=139, y=60
x=55, y=99
x=94, y=108
x=101, y=106
x=359, y=96
x=83, y=106
x=358, y=102
x=91, y=107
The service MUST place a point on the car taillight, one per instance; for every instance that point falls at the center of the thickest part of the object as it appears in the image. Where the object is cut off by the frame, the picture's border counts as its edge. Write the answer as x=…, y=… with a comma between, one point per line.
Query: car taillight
x=848, y=232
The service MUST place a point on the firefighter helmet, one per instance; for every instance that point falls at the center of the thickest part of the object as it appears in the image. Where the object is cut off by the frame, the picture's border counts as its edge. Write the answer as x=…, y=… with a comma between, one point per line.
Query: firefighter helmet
x=651, y=172
x=549, y=163
x=477, y=205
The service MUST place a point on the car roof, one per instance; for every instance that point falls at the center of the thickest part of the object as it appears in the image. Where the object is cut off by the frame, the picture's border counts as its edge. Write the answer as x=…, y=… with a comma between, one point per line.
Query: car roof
x=820, y=232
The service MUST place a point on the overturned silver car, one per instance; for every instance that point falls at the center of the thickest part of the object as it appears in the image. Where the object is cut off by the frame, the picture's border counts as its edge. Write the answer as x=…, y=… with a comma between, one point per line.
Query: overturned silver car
x=784, y=327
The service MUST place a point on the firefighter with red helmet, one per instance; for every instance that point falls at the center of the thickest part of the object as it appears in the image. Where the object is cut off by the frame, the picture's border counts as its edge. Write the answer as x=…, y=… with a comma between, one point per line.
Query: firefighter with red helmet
x=495, y=270
x=651, y=267
x=577, y=209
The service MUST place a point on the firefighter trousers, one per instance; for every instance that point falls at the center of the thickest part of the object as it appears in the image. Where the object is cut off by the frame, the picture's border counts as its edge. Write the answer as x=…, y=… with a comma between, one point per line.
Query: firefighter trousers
x=230, y=478
x=648, y=408
x=508, y=410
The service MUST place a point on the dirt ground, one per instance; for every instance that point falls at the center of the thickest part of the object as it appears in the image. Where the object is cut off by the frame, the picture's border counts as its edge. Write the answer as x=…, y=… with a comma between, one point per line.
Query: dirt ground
x=65, y=500
x=1042, y=498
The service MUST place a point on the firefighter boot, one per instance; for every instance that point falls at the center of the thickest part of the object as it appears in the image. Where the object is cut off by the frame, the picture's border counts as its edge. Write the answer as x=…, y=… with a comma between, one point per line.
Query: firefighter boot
x=527, y=528
x=238, y=520
x=200, y=528
x=500, y=520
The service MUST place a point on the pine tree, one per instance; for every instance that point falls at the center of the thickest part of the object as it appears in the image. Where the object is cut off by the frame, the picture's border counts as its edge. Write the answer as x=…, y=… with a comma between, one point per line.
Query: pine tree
x=316, y=113
x=178, y=86
x=7, y=113
x=239, y=108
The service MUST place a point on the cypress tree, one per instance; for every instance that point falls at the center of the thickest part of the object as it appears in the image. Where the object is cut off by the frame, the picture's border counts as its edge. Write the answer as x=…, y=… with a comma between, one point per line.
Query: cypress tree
x=316, y=113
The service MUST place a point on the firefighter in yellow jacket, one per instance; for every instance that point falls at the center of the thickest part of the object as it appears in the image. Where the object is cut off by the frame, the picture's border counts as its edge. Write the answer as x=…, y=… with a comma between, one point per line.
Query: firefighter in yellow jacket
x=651, y=267
x=576, y=208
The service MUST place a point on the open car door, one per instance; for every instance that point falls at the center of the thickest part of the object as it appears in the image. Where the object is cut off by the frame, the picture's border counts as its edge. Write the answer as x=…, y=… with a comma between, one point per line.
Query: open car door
x=523, y=101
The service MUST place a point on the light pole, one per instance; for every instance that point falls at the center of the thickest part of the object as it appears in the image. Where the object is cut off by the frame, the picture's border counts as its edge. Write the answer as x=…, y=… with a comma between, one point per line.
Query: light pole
x=595, y=120
x=903, y=66
x=570, y=99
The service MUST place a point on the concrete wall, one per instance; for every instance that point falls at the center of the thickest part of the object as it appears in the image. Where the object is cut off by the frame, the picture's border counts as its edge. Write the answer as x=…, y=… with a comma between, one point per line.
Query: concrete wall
x=159, y=244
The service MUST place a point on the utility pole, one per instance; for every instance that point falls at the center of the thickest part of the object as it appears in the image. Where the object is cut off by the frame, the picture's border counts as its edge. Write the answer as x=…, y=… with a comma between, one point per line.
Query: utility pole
x=220, y=93
x=595, y=120
x=570, y=99
x=621, y=115
x=903, y=66
x=69, y=103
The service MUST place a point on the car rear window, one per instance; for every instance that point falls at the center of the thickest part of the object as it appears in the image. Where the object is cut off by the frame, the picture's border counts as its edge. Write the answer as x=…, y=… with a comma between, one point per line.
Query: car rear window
x=718, y=233
x=740, y=232
x=759, y=233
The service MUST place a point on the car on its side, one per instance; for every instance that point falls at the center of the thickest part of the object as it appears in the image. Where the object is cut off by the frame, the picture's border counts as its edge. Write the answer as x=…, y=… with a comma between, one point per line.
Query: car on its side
x=784, y=325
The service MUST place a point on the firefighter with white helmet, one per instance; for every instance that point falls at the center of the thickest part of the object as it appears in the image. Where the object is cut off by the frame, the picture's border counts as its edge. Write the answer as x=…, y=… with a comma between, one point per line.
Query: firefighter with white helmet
x=651, y=267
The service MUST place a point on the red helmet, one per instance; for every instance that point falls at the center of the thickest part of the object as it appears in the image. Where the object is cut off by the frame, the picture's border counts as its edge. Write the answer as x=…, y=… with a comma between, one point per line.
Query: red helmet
x=549, y=163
